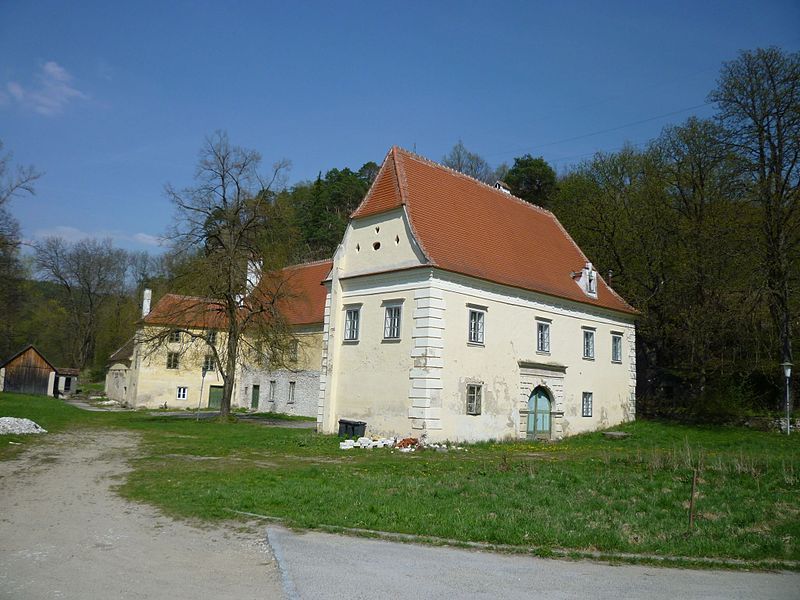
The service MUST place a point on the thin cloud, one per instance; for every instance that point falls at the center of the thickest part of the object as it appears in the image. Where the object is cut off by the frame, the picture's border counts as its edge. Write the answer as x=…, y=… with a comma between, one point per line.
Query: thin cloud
x=52, y=92
x=73, y=234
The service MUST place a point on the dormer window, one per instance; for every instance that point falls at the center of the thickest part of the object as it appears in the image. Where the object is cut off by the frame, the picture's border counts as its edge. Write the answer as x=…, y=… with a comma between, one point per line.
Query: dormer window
x=586, y=278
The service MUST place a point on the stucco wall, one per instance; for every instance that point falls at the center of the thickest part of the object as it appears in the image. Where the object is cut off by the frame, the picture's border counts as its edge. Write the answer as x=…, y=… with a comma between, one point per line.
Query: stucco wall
x=152, y=384
x=117, y=382
x=419, y=384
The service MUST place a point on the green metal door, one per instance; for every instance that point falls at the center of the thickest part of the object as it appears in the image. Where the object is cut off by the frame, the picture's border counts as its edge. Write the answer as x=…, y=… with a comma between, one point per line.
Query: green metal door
x=538, y=414
x=254, y=398
x=215, y=396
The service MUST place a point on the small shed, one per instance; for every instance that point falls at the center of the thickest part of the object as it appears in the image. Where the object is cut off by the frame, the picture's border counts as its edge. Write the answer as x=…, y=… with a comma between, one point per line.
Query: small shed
x=118, y=374
x=28, y=372
x=67, y=381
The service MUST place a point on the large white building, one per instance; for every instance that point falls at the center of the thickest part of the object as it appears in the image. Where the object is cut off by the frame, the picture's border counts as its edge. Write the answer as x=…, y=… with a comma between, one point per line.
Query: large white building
x=458, y=310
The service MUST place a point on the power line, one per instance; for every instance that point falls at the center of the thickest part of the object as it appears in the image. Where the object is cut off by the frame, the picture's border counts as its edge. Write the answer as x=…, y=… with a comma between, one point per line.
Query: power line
x=609, y=130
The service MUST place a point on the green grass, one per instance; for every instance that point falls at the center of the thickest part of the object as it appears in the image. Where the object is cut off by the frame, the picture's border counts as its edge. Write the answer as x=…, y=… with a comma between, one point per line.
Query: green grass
x=586, y=493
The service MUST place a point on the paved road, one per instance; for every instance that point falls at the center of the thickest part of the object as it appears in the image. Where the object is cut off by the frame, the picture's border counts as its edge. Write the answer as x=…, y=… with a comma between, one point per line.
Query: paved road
x=65, y=534
x=319, y=565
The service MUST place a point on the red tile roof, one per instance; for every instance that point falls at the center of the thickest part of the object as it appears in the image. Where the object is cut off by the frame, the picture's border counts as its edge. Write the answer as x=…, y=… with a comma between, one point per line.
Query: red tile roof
x=299, y=289
x=303, y=299
x=468, y=227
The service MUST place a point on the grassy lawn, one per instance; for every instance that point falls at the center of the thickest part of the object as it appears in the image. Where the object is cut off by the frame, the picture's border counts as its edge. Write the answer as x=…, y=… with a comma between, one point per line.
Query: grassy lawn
x=587, y=493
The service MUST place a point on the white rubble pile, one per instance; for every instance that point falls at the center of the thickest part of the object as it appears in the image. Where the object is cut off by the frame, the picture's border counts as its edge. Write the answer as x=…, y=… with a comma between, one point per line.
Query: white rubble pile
x=366, y=442
x=15, y=426
x=403, y=445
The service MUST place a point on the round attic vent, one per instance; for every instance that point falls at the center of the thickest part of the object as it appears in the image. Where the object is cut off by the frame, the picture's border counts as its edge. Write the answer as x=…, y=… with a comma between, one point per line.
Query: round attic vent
x=376, y=246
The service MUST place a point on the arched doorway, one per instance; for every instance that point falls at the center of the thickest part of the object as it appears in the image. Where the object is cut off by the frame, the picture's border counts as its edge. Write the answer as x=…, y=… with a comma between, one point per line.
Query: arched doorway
x=539, y=414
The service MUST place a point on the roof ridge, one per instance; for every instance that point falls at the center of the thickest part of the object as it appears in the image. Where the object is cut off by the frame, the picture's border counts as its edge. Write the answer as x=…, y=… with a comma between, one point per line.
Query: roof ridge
x=436, y=165
x=309, y=263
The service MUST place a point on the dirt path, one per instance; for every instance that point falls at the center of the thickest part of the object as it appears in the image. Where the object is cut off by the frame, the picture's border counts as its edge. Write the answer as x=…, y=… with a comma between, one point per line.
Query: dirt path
x=65, y=534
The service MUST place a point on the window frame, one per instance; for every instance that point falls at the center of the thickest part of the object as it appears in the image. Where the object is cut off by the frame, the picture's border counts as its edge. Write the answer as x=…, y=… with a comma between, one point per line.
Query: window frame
x=173, y=360
x=185, y=390
x=213, y=366
x=616, y=344
x=391, y=329
x=273, y=384
x=352, y=327
x=474, y=405
x=211, y=337
x=587, y=400
x=479, y=339
x=294, y=351
x=543, y=325
x=174, y=337
x=291, y=393
x=588, y=334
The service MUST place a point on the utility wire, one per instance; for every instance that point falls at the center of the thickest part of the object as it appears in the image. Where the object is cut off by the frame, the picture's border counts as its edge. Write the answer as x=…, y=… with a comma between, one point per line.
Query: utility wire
x=609, y=130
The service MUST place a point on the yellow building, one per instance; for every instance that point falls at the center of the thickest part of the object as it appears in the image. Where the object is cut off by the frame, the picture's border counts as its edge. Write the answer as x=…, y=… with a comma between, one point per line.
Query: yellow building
x=171, y=364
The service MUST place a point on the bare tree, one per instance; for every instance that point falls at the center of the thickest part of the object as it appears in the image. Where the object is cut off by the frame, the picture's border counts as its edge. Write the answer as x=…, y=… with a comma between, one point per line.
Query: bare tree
x=90, y=273
x=462, y=160
x=758, y=96
x=222, y=237
x=13, y=182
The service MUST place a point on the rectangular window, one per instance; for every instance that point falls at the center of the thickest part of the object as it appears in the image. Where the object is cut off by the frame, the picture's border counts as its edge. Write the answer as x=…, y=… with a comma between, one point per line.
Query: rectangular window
x=211, y=337
x=391, y=323
x=542, y=337
x=587, y=404
x=182, y=393
x=294, y=350
x=291, y=392
x=474, y=393
x=351, y=319
x=67, y=383
x=172, y=360
x=272, y=391
x=209, y=364
x=476, y=326
x=588, y=344
x=616, y=347
x=174, y=336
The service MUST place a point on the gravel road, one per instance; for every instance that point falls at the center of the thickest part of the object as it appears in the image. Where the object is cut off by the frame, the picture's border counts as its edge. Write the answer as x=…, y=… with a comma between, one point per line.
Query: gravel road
x=65, y=534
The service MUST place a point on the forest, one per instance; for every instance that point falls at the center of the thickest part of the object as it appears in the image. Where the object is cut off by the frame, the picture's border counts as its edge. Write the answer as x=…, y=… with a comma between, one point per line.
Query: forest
x=698, y=229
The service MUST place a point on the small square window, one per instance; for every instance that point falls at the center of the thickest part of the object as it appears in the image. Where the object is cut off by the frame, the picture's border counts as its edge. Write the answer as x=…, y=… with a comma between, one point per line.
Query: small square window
x=587, y=404
x=474, y=394
x=291, y=392
x=476, y=326
x=351, y=322
x=174, y=336
x=209, y=364
x=588, y=344
x=182, y=394
x=542, y=337
x=616, y=348
x=391, y=323
x=172, y=360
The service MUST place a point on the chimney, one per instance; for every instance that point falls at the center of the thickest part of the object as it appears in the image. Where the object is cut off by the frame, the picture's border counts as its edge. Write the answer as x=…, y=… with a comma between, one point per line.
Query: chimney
x=148, y=295
x=253, y=275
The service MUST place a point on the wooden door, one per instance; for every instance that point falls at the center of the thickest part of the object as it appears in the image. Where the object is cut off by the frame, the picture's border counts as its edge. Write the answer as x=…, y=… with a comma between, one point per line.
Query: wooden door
x=215, y=396
x=254, y=397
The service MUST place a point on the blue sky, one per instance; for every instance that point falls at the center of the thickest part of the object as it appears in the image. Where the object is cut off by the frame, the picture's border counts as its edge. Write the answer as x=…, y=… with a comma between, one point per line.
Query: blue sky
x=112, y=100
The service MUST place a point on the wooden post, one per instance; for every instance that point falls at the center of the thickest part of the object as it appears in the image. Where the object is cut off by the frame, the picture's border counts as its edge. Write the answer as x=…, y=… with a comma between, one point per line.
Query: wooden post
x=691, y=501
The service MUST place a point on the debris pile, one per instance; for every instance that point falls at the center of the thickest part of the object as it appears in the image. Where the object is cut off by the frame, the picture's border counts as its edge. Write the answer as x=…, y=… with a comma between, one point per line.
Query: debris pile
x=409, y=444
x=15, y=426
x=368, y=442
